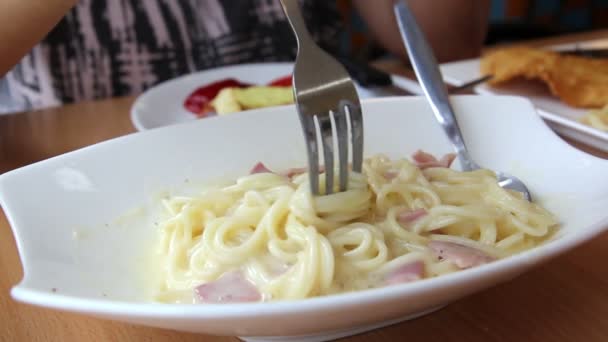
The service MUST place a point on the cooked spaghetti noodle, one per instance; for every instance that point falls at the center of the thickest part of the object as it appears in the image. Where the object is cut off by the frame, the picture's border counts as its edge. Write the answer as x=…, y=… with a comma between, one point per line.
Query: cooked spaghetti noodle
x=265, y=237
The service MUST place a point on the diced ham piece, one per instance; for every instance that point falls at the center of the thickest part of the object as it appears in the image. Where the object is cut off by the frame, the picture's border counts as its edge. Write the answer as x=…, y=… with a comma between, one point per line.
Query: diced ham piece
x=460, y=255
x=290, y=173
x=231, y=287
x=425, y=160
x=391, y=175
x=295, y=171
x=406, y=273
x=409, y=216
x=447, y=159
x=259, y=168
x=423, y=157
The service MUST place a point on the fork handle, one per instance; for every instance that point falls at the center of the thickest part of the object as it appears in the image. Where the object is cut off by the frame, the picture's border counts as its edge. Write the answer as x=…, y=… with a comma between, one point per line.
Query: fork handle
x=294, y=16
x=425, y=65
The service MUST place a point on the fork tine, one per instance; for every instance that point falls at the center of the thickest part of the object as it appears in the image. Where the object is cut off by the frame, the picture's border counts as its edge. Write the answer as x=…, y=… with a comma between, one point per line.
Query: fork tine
x=319, y=83
x=327, y=138
x=356, y=127
x=340, y=119
x=310, y=135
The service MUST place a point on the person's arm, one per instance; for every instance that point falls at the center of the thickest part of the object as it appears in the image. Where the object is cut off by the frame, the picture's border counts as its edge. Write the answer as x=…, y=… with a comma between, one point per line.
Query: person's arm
x=23, y=23
x=455, y=29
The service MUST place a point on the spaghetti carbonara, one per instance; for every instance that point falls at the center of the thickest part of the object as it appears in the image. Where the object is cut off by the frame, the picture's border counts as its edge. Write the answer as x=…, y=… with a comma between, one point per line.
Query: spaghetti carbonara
x=265, y=237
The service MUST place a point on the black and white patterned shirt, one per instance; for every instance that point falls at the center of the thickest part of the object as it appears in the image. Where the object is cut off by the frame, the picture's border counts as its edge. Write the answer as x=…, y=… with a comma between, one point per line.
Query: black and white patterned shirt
x=106, y=48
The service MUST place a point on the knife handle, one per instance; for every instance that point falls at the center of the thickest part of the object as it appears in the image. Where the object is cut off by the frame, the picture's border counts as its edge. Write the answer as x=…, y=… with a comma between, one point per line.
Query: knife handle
x=431, y=81
x=364, y=74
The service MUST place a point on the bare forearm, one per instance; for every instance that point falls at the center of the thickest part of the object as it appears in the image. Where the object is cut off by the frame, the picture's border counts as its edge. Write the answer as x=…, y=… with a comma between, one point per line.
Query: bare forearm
x=23, y=23
x=454, y=28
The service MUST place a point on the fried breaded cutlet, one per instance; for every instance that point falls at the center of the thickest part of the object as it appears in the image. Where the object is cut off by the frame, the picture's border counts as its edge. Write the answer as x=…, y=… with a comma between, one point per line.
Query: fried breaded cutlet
x=578, y=81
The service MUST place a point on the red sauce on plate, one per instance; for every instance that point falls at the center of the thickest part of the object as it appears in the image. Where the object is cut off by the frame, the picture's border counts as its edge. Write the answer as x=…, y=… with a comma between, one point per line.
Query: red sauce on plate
x=281, y=82
x=199, y=101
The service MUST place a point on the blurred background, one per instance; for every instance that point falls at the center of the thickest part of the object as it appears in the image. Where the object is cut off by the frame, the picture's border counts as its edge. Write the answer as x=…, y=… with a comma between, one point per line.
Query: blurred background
x=510, y=21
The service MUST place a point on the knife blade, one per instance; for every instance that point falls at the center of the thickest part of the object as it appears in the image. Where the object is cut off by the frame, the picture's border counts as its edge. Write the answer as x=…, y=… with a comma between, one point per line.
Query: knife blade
x=589, y=53
x=399, y=86
x=385, y=84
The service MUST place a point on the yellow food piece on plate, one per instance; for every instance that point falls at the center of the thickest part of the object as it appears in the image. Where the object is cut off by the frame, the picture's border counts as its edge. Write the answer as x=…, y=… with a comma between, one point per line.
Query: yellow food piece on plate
x=263, y=96
x=580, y=82
x=225, y=102
x=509, y=63
x=597, y=119
x=577, y=81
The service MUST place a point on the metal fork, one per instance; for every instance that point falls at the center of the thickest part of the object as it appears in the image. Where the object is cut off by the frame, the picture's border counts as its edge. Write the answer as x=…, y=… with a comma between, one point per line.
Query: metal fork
x=327, y=101
x=429, y=76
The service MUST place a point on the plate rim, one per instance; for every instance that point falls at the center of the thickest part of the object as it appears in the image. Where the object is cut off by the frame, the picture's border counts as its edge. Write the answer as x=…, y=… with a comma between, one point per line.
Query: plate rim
x=481, y=89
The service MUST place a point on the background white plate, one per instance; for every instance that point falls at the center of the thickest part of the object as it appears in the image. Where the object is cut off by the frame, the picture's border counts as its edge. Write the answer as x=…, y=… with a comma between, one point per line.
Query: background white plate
x=558, y=115
x=83, y=248
x=162, y=105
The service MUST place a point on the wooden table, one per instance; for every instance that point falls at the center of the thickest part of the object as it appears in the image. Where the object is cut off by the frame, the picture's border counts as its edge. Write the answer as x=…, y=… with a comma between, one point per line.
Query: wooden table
x=563, y=300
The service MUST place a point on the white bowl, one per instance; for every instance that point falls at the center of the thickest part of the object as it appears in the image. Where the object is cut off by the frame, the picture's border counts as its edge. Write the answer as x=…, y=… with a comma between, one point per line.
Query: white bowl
x=83, y=220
